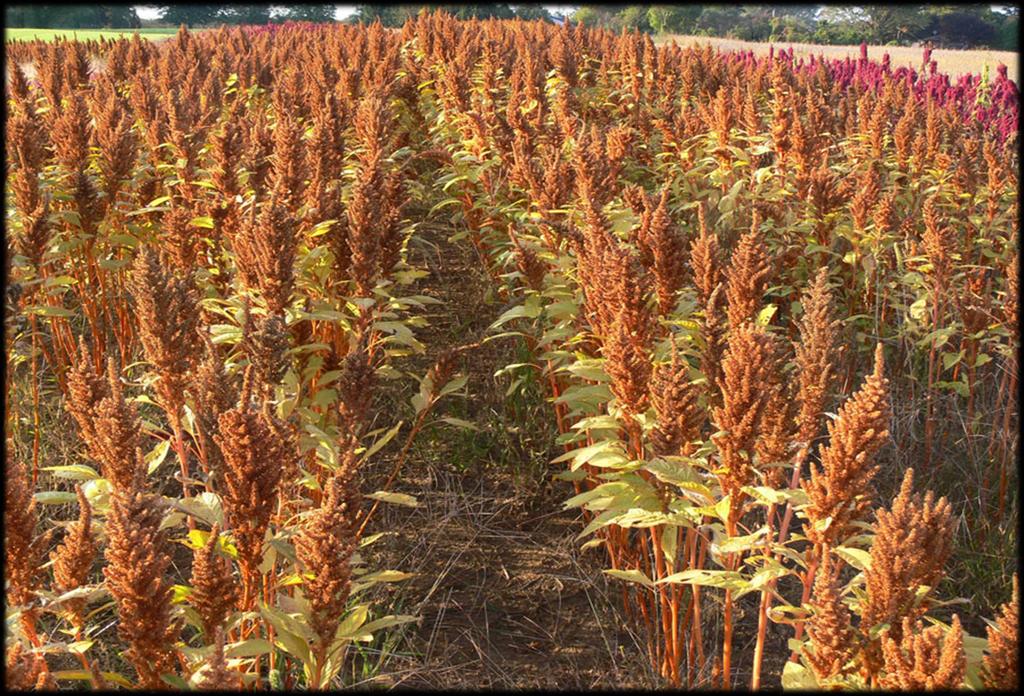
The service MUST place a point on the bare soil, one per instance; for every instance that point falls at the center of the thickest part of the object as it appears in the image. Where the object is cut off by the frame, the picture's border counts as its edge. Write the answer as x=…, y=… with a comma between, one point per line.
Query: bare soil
x=505, y=596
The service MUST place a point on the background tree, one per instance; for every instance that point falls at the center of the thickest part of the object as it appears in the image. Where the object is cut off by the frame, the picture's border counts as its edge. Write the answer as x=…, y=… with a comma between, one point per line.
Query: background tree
x=1008, y=28
x=606, y=16
x=718, y=20
x=635, y=17
x=964, y=29
x=72, y=16
x=389, y=15
x=308, y=13
x=673, y=19
x=245, y=14
x=395, y=15
x=191, y=15
x=965, y=25
x=498, y=10
x=897, y=23
x=531, y=12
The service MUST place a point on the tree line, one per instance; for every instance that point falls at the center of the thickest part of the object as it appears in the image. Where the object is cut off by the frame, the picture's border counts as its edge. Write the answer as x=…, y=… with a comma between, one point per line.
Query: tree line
x=125, y=16
x=948, y=26
x=203, y=15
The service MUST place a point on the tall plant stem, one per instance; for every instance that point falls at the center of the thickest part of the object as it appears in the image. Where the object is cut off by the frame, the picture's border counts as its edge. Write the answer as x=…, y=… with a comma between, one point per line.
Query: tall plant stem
x=697, y=634
x=182, y=454
x=929, y=418
x=817, y=552
x=794, y=483
x=417, y=425
x=671, y=661
x=762, y=613
x=727, y=640
x=35, y=400
x=730, y=526
x=1006, y=435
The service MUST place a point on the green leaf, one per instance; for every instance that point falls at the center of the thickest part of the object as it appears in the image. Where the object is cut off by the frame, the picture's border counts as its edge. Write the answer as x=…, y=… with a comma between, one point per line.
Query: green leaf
x=386, y=576
x=630, y=576
x=80, y=647
x=383, y=440
x=395, y=498
x=605, y=490
x=82, y=675
x=787, y=614
x=721, y=509
x=590, y=369
x=610, y=448
x=419, y=402
x=97, y=491
x=370, y=538
x=766, y=314
x=767, y=575
x=348, y=628
x=530, y=310
x=293, y=635
x=678, y=472
x=180, y=593
x=796, y=676
x=960, y=387
x=728, y=579
x=587, y=396
x=59, y=281
x=602, y=422
x=742, y=543
x=248, y=648
x=205, y=506
x=766, y=495
x=937, y=338
x=951, y=359
x=48, y=311
x=918, y=308
x=385, y=622
x=669, y=541
x=156, y=456
x=454, y=385
x=78, y=472
x=173, y=680
x=460, y=423
x=858, y=558
x=55, y=497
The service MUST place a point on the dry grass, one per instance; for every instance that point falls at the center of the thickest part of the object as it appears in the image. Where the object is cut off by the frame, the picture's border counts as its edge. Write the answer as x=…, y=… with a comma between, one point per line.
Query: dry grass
x=949, y=61
x=507, y=598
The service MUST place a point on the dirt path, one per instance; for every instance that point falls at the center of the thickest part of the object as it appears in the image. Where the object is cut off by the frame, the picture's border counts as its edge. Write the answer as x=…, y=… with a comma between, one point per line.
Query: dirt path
x=506, y=597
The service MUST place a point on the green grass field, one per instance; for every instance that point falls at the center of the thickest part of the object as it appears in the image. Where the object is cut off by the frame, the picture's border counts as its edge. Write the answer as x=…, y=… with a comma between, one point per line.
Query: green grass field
x=84, y=34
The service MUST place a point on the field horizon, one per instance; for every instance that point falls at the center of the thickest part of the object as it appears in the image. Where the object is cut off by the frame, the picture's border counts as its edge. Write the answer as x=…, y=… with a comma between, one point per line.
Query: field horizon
x=954, y=62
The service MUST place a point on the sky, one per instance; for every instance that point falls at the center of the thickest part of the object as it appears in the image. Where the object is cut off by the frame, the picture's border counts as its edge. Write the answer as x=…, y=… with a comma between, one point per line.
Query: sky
x=148, y=12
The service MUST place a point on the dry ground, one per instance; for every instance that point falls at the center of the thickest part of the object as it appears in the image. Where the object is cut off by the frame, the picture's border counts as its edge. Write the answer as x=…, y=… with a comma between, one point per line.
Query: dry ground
x=951, y=61
x=506, y=598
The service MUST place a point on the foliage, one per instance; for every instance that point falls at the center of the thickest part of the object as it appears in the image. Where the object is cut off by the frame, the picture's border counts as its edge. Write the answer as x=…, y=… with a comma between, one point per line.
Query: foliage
x=396, y=15
x=960, y=26
x=71, y=16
